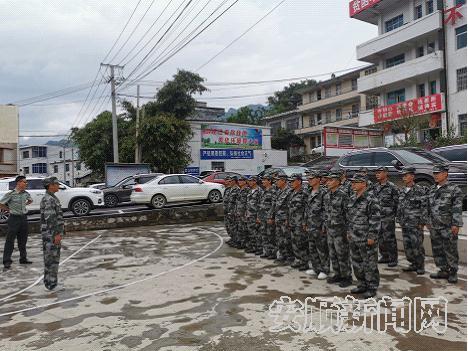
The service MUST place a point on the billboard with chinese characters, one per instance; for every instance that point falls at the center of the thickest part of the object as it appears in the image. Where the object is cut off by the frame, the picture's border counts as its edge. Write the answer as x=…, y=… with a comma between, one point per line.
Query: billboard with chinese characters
x=226, y=154
x=357, y=6
x=414, y=107
x=228, y=136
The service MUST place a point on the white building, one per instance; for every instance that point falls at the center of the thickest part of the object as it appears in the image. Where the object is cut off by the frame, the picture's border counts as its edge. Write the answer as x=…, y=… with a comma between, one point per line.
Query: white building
x=240, y=148
x=413, y=67
x=50, y=160
x=8, y=140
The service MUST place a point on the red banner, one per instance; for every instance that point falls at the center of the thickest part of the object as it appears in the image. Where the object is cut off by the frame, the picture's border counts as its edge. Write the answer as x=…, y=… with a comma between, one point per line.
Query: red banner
x=357, y=6
x=419, y=106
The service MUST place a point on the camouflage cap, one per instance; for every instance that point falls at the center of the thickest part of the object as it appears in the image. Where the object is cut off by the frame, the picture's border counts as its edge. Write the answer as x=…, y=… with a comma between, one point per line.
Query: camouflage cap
x=408, y=170
x=440, y=168
x=282, y=176
x=363, y=170
x=334, y=175
x=359, y=178
x=49, y=181
x=242, y=178
x=323, y=174
x=295, y=176
x=381, y=169
x=267, y=177
x=253, y=178
x=228, y=177
x=313, y=174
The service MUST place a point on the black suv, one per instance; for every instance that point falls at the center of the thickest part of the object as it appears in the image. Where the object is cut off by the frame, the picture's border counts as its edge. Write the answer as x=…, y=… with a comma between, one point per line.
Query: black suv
x=396, y=158
x=121, y=191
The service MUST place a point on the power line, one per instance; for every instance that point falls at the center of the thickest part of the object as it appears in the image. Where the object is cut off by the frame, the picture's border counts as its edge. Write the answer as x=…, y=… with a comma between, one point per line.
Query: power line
x=240, y=36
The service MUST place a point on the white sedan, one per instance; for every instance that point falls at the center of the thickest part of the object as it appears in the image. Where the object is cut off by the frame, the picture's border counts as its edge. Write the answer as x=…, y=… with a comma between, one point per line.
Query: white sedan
x=176, y=188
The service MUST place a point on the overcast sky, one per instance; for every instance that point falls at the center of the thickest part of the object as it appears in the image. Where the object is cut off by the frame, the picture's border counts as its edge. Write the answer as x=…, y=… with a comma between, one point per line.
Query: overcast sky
x=52, y=45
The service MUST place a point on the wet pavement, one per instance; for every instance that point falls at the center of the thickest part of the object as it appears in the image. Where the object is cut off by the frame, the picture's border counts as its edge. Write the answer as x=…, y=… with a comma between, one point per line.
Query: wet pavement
x=179, y=288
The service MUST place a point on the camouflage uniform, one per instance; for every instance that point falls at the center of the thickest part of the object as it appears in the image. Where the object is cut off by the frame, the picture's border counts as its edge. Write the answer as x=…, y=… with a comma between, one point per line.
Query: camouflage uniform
x=318, y=246
x=241, y=206
x=445, y=211
x=267, y=230
x=387, y=196
x=412, y=214
x=253, y=239
x=231, y=207
x=346, y=188
x=280, y=212
x=335, y=223
x=299, y=240
x=51, y=225
x=226, y=210
x=364, y=223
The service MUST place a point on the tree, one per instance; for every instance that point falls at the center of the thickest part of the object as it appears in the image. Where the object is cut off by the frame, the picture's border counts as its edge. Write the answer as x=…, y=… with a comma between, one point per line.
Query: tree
x=95, y=141
x=284, y=139
x=245, y=115
x=175, y=96
x=288, y=99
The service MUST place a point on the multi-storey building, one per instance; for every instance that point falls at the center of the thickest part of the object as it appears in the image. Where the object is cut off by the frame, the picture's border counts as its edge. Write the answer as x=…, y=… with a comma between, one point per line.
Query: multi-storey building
x=51, y=160
x=420, y=60
x=8, y=140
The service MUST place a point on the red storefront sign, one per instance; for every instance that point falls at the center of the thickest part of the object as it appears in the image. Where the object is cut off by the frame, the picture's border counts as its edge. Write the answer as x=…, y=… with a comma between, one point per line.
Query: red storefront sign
x=357, y=6
x=419, y=106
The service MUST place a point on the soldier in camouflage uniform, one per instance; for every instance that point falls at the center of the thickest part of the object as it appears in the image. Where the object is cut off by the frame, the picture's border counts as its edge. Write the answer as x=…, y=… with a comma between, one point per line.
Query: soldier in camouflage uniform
x=254, y=241
x=279, y=214
x=228, y=185
x=314, y=227
x=412, y=216
x=267, y=229
x=445, y=218
x=387, y=195
x=52, y=231
x=345, y=183
x=335, y=223
x=297, y=200
x=241, y=206
x=231, y=207
x=364, y=226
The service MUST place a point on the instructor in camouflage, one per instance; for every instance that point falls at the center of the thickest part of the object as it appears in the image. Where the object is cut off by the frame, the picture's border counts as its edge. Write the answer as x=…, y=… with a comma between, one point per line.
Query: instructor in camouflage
x=267, y=229
x=297, y=200
x=254, y=241
x=52, y=231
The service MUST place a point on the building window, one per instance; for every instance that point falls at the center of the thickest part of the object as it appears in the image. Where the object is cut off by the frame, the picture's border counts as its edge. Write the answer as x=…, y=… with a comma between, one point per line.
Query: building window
x=372, y=101
x=311, y=121
x=328, y=117
x=396, y=96
x=460, y=34
x=25, y=154
x=55, y=168
x=420, y=51
x=319, y=95
x=462, y=124
x=319, y=118
x=370, y=71
x=78, y=166
x=338, y=88
x=275, y=127
x=339, y=114
x=292, y=124
x=394, y=61
x=421, y=90
x=67, y=168
x=327, y=92
x=394, y=23
x=429, y=7
x=460, y=2
x=60, y=154
x=354, y=84
x=418, y=12
x=26, y=169
x=39, y=151
x=354, y=110
x=40, y=168
x=433, y=87
x=461, y=79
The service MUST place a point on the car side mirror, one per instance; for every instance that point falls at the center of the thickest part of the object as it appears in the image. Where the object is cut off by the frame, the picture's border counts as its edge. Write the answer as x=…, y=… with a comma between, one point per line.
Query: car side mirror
x=61, y=187
x=397, y=164
x=127, y=186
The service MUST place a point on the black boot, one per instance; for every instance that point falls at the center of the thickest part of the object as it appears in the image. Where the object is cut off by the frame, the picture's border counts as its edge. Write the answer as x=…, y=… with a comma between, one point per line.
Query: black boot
x=439, y=275
x=358, y=290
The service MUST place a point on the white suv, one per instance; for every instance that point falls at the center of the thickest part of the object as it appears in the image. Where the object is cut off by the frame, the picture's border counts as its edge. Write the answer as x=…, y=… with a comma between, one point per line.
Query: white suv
x=78, y=200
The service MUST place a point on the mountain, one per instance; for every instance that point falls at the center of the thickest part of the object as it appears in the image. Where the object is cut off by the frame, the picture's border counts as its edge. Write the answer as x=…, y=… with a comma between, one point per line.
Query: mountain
x=232, y=111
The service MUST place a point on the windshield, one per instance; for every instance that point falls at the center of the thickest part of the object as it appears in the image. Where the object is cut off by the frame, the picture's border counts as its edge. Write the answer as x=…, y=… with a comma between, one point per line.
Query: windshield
x=125, y=181
x=419, y=156
x=290, y=171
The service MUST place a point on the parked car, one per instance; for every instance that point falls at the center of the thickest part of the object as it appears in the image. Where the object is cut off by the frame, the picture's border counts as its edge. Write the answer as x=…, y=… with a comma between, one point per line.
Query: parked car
x=171, y=188
x=81, y=201
x=321, y=163
x=396, y=158
x=206, y=173
x=219, y=177
x=453, y=153
x=288, y=170
x=121, y=191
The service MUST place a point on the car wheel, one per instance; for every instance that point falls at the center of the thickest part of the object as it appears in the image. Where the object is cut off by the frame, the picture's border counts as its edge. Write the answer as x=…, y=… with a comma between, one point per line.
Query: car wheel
x=111, y=200
x=424, y=183
x=4, y=215
x=158, y=201
x=214, y=196
x=81, y=207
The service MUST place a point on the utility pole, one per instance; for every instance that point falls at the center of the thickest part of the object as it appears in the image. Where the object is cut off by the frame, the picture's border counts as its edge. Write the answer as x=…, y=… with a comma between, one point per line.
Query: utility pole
x=64, y=166
x=137, y=149
x=115, y=136
x=72, y=169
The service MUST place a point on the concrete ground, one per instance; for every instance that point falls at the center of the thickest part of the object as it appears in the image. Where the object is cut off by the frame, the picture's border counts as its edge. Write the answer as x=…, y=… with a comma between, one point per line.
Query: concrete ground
x=179, y=288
